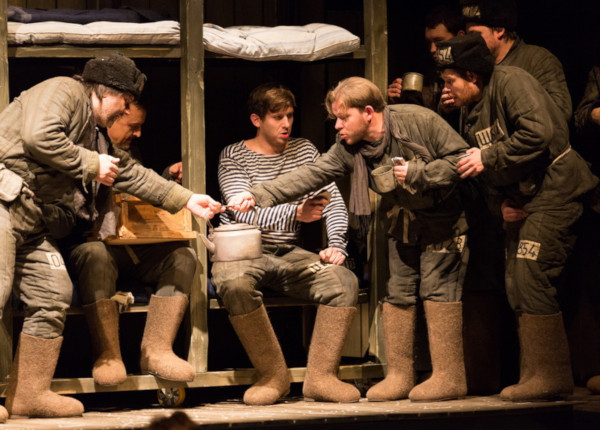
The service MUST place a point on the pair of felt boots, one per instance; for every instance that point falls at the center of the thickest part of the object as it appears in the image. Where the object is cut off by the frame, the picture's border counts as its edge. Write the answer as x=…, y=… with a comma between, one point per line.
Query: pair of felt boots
x=29, y=393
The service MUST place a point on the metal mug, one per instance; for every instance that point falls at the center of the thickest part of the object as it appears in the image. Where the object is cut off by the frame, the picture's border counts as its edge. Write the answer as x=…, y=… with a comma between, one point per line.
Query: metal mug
x=412, y=81
x=384, y=178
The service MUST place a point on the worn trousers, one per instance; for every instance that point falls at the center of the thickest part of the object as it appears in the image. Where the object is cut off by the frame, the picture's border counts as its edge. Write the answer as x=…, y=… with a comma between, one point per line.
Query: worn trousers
x=96, y=267
x=537, y=249
x=32, y=266
x=433, y=272
x=287, y=269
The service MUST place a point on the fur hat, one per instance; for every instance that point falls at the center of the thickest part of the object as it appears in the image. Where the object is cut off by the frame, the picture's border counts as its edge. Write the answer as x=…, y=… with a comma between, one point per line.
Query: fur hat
x=468, y=52
x=116, y=71
x=491, y=13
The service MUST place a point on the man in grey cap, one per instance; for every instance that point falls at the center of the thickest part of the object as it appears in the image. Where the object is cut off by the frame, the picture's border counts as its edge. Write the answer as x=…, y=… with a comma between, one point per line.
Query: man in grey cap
x=496, y=21
x=48, y=142
x=536, y=182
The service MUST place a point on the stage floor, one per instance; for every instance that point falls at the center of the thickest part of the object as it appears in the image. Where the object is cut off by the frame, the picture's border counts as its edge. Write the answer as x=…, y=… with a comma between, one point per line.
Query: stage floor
x=582, y=410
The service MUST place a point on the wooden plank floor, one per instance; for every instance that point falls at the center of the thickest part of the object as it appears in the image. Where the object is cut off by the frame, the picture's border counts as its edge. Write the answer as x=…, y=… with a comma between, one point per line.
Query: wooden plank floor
x=294, y=412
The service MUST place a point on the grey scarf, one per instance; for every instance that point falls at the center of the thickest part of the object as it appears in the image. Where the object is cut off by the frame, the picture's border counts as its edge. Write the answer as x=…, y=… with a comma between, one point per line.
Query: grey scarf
x=359, y=204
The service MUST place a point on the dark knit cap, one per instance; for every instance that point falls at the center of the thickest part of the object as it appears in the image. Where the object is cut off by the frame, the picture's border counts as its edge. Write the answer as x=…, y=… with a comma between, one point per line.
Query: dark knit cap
x=468, y=52
x=115, y=71
x=491, y=13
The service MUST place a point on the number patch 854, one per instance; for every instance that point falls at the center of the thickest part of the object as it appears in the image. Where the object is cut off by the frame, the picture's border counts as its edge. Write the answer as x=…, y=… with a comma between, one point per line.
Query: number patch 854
x=528, y=249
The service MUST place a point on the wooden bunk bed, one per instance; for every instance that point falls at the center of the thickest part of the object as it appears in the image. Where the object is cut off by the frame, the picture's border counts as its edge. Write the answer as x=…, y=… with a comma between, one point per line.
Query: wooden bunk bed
x=191, y=55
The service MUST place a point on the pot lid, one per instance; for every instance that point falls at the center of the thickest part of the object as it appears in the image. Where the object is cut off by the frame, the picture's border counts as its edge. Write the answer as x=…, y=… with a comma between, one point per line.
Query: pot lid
x=235, y=227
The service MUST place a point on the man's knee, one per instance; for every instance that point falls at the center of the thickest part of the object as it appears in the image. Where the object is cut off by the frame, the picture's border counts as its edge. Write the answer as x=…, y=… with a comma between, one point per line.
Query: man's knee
x=92, y=253
x=238, y=294
x=344, y=287
x=183, y=259
x=45, y=315
x=47, y=323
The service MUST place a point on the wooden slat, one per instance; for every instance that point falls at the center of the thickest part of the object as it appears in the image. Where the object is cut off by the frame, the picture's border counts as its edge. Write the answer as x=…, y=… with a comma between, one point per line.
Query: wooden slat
x=205, y=379
x=71, y=51
x=359, y=54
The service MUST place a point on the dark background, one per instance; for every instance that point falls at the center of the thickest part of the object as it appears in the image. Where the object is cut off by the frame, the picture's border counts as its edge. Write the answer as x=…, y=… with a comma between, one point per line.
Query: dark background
x=569, y=29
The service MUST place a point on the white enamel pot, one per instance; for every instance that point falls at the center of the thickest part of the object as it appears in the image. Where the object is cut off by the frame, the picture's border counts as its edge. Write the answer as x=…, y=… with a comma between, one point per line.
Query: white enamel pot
x=233, y=242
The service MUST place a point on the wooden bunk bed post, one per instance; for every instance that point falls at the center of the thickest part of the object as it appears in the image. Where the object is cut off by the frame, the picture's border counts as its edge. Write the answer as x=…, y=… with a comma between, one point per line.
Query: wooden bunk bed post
x=376, y=43
x=194, y=154
x=376, y=69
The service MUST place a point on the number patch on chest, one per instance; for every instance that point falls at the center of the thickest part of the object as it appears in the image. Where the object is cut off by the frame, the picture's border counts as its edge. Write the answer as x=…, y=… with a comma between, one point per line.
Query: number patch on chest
x=529, y=250
x=489, y=135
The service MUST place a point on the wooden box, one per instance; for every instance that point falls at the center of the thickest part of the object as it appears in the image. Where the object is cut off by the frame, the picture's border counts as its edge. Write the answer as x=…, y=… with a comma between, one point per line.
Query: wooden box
x=141, y=222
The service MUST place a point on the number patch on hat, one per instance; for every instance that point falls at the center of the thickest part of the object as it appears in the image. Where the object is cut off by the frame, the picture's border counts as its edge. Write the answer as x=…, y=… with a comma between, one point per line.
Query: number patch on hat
x=528, y=249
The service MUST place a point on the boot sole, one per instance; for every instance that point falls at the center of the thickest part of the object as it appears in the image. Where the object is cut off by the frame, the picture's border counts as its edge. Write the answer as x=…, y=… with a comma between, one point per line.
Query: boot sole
x=308, y=399
x=445, y=399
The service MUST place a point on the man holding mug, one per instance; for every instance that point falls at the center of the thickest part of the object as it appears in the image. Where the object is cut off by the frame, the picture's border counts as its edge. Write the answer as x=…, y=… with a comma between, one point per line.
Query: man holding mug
x=427, y=256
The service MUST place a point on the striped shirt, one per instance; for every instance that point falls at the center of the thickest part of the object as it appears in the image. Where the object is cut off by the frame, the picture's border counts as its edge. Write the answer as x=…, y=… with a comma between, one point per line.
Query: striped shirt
x=240, y=168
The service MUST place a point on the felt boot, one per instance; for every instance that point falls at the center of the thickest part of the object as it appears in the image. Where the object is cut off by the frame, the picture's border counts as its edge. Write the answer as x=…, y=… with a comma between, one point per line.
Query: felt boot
x=329, y=334
x=525, y=368
x=399, y=333
x=28, y=392
x=103, y=321
x=593, y=384
x=258, y=339
x=162, y=322
x=545, y=358
x=448, y=380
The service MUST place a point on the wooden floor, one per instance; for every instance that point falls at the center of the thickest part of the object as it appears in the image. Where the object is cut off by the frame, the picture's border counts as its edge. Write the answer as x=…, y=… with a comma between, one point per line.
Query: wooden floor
x=580, y=411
